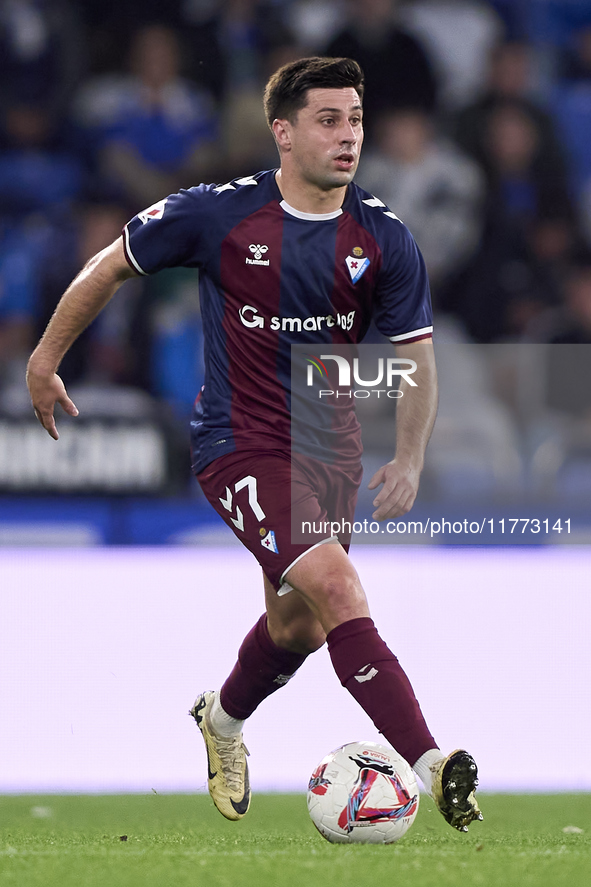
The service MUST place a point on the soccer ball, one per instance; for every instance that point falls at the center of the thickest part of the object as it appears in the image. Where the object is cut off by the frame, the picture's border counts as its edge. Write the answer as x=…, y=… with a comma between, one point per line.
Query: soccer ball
x=363, y=793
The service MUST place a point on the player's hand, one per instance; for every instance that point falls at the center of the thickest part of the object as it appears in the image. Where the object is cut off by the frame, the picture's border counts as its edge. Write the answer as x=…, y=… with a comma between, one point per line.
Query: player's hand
x=46, y=391
x=399, y=491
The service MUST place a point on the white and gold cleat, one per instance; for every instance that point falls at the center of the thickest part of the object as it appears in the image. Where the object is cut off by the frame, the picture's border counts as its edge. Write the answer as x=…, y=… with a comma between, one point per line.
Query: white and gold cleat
x=227, y=768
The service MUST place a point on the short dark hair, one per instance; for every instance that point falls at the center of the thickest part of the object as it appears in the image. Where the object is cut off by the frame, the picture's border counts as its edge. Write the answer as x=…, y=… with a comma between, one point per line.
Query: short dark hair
x=286, y=91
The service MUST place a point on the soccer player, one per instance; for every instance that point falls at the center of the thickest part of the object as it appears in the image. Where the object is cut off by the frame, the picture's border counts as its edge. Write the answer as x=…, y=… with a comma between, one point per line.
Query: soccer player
x=289, y=256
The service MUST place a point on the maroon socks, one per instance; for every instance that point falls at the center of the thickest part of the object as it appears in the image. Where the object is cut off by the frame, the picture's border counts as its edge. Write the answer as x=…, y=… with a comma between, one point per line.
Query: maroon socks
x=261, y=669
x=364, y=665
x=373, y=676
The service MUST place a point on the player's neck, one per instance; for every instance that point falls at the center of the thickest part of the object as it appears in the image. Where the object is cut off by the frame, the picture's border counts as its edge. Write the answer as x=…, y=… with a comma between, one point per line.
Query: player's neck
x=306, y=197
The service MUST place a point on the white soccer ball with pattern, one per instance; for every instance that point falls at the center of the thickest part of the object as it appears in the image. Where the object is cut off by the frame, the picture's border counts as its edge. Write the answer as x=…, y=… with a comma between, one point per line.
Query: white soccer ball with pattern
x=363, y=793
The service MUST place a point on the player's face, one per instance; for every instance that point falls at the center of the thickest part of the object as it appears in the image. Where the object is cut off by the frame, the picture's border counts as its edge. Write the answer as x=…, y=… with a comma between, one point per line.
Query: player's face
x=326, y=138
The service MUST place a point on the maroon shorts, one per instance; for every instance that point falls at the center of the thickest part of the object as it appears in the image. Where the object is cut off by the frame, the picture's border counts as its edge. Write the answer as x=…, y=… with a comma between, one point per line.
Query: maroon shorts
x=280, y=506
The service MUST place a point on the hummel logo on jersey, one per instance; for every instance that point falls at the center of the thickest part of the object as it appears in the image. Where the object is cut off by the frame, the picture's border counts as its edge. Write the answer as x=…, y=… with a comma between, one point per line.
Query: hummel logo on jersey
x=364, y=675
x=357, y=267
x=156, y=211
x=258, y=250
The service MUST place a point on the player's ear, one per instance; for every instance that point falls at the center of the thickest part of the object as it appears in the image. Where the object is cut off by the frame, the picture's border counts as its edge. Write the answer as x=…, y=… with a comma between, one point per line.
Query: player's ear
x=282, y=132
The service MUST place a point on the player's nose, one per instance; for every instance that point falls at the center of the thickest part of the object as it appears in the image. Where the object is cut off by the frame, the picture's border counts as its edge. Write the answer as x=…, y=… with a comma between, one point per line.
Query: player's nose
x=349, y=134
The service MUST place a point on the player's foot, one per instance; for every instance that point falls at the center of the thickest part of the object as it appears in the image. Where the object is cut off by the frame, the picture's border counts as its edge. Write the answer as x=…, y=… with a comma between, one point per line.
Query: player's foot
x=454, y=783
x=227, y=769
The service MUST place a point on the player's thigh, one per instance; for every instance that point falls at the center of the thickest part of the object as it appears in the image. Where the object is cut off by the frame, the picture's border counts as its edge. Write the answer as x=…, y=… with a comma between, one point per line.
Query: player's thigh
x=292, y=624
x=328, y=582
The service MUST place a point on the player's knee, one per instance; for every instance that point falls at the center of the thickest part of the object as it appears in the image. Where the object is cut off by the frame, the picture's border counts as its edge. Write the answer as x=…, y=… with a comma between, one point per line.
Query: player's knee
x=342, y=596
x=300, y=636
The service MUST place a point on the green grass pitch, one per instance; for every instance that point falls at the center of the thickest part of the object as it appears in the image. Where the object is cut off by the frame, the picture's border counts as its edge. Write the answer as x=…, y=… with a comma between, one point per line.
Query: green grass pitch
x=181, y=840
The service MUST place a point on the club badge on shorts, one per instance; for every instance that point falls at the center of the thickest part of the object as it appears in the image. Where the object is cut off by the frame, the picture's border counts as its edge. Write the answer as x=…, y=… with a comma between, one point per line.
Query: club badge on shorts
x=268, y=541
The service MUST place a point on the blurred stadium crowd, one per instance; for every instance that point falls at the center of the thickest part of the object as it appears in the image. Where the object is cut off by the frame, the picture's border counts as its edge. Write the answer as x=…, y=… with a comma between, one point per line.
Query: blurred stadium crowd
x=478, y=136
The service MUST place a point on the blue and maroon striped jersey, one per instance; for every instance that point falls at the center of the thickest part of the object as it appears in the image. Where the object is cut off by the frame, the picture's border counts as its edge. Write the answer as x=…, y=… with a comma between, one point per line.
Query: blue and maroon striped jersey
x=271, y=277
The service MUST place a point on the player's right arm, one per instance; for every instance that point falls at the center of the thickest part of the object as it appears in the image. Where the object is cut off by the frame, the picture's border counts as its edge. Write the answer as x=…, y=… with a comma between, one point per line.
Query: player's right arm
x=86, y=296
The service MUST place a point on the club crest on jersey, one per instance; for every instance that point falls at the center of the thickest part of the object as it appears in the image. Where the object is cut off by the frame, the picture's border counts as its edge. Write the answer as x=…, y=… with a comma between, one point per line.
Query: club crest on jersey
x=156, y=211
x=357, y=267
x=258, y=250
x=269, y=542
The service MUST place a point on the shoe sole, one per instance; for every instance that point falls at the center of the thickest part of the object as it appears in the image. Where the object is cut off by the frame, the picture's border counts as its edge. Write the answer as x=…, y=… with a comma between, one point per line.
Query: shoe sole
x=459, y=780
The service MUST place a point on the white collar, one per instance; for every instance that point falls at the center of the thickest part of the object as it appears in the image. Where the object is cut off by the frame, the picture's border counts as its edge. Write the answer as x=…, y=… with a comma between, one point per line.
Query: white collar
x=311, y=217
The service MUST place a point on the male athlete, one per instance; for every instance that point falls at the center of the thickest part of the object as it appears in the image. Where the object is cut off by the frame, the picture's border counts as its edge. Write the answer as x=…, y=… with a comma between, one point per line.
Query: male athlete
x=275, y=253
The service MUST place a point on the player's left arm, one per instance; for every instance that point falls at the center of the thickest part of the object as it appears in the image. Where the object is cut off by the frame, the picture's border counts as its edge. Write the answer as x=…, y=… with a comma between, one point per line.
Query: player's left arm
x=415, y=416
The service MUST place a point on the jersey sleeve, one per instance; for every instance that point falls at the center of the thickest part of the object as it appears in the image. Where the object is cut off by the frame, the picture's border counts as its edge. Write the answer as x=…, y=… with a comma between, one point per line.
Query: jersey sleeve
x=403, y=310
x=170, y=233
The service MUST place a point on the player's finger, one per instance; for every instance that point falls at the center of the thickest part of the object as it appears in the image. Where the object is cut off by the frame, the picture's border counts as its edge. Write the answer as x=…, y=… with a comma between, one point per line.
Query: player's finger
x=406, y=505
x=376, y=480
x=408, y=502
x=385, y=493
x=389, y=512
x=387, y=507
x=48, y=422
x=397, y=502
x=68, y=406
